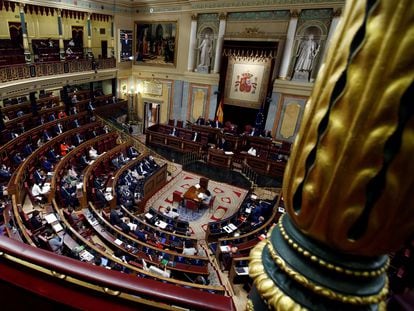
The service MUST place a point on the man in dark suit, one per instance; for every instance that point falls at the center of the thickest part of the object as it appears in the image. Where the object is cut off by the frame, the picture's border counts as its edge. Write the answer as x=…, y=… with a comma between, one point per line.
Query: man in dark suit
x=58, y=129
x=200, y=121
x=52, y=155
x=4, y=172
x=77, y=140
x=46, y=135
x=69, y=195
x=17, y=159
x=217, y=124
x=132, y=152
x=27, y=150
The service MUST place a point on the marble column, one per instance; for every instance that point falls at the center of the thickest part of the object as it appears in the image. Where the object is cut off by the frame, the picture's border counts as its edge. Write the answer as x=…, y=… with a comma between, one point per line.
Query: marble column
x=335, y=20
x=27, y=55
x=193, y=41
x=60, y=32
x=219, y=45
x=111, y=47
x=89, y=33
x=290, y=38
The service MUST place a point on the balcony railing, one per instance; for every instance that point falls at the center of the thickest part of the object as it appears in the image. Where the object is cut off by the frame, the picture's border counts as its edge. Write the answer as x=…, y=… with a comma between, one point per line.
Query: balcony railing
x=36, y=70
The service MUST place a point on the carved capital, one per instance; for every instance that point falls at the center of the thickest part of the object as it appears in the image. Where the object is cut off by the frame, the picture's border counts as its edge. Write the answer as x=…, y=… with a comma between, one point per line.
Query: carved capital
x=294, y=13
x=337, y=12
x=222, y=15
x=194, y=17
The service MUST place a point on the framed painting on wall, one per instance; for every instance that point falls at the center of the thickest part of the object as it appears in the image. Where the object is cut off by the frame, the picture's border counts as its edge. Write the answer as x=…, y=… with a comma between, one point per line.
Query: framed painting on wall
x=247, y=82
x=156, y=43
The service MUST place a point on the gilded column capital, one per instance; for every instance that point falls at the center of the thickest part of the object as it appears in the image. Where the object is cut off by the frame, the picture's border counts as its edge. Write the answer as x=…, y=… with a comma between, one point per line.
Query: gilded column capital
x=337, y=12
x=346, y=183
x=222, y=16
x=294, y=13
x=21, y=7
x=194, y=17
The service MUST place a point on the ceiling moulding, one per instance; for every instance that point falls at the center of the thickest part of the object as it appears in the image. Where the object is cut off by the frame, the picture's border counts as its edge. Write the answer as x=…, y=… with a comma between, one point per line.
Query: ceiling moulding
x=259, y=4
x=99, y=7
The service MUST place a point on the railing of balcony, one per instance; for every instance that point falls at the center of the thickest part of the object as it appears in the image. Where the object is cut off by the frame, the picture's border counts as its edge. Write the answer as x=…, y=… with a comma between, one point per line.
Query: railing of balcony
x=35, y=70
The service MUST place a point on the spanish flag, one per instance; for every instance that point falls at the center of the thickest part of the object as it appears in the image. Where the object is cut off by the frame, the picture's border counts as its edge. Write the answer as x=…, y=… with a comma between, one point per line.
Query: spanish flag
x=219, y=113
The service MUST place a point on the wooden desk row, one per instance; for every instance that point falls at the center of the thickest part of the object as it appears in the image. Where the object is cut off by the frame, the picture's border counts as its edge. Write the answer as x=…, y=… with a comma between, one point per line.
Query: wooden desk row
x=173, y=142
x=31, y=136
x=21, y=175
x=148, y=252
x=100, y=143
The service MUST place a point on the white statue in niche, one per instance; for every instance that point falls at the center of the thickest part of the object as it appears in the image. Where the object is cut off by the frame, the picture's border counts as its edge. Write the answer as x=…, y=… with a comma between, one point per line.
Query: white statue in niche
x=205, y=48
x=306, y=54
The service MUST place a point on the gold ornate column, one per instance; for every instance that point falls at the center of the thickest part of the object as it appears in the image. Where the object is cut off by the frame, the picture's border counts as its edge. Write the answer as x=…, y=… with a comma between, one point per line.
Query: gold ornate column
x=348, y=184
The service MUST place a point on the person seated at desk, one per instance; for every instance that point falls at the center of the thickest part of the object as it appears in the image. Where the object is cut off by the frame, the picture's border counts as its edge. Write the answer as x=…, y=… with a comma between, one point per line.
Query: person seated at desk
x=17, y=159
x=39, y=193
x=46, y=164
x=39, y=176
x=90, y=107
x=141, y=234
x=258, y=223
x=68, y=194
x=5, y=119
x=140, y=169
x=173, y=132
x=77, y=140
x=36, y=221
x=152, y=162
x=27, y=149
x=115, y=162
x=200, y=121
x=55, y=242
x=64, y=149
x=47, y=136
x=132, y=152
x=52, y=117
x=58, y=129
x=5, y=172
x=53, y=157
x=98, y=183
x=115, y=219
x=105, y=129
x=252, y=151
x=170, y=213
x=61, y=114
x=206, y=198
x=93, y=154
x=122, y=159
x=216, y=123
x=84, y=161
x=156, y=270
x=75, y=123
x=189, y=249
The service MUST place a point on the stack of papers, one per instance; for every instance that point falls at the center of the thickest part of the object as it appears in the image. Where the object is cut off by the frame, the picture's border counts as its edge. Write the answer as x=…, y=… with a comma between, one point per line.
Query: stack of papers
x=225, y=248
x=57, y=227
x=197, y=186
x=231, y=226
x=50, y=218
x=118, y=242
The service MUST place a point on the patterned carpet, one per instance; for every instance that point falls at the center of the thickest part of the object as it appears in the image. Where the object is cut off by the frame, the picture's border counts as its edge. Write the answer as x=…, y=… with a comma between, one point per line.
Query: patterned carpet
x=228, y=200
